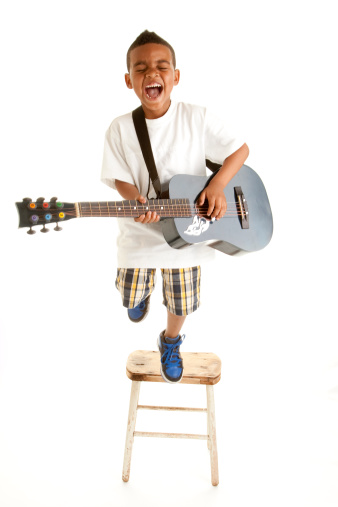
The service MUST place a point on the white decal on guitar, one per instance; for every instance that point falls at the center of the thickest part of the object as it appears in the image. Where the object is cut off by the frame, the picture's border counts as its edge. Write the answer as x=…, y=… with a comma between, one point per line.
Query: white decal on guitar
x=198, y=226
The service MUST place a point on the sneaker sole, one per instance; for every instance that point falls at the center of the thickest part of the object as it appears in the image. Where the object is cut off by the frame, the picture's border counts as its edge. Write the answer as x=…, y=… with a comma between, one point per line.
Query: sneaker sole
x=136, y=321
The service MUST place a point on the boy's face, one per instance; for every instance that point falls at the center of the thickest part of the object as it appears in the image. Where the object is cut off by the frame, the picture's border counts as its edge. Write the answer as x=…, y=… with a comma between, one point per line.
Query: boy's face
x=152, y=77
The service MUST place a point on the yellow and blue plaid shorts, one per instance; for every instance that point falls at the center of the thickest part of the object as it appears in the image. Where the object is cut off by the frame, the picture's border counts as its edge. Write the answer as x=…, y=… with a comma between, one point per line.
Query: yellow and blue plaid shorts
x=181, y=287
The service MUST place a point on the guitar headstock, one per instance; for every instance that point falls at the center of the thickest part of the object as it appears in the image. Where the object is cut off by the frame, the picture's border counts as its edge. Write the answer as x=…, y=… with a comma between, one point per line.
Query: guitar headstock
x=43, y=213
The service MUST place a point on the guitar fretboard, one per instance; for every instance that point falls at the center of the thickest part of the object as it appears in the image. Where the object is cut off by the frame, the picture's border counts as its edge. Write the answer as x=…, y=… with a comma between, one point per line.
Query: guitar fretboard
x=164, y=207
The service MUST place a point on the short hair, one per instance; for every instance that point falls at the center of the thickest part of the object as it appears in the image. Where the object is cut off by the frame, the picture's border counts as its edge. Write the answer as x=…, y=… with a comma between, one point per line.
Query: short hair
x=147, y=37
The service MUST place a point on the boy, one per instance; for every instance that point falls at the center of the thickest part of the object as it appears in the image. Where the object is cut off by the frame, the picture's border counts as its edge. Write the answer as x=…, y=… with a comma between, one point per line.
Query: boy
x=182, y=136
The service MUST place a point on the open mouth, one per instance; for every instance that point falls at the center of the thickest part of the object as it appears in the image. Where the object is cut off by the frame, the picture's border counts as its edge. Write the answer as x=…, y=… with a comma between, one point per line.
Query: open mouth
x=153, y=91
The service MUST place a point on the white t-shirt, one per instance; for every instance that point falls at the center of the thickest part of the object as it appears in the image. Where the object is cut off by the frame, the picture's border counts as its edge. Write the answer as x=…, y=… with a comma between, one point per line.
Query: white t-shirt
x=181, y=140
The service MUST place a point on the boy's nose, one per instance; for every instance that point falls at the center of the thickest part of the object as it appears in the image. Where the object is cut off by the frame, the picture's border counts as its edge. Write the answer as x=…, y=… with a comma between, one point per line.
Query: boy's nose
x=152, y=73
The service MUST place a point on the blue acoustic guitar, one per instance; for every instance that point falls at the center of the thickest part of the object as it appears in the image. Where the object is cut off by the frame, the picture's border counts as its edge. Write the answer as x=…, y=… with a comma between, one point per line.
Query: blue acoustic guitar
x=246, y=227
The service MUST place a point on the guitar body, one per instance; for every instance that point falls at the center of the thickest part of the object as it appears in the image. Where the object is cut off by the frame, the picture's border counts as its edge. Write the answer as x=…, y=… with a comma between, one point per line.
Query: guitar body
x=227, y=234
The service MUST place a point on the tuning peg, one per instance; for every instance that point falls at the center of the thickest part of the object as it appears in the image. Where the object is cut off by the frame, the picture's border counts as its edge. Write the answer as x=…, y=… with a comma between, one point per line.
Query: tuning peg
x=44, y=229
x=56, y=204
x=28, y=201
x=31, y=231
x=61, y=216
x=40, y=202
x=53, y=202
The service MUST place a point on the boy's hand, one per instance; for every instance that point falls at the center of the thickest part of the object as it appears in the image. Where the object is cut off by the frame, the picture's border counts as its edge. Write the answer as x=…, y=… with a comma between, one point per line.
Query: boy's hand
x=216, y=201
x=148, y=218
x=214, y=194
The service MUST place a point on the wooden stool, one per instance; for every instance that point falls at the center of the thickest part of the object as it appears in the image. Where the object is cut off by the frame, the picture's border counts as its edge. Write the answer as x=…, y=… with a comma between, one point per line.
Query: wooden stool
x=199, y=368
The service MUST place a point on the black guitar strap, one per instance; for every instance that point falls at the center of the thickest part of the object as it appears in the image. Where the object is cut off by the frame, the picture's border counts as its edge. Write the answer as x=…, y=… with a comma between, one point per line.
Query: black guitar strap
x=213, y=166
x=143, y=137
x=147, y=152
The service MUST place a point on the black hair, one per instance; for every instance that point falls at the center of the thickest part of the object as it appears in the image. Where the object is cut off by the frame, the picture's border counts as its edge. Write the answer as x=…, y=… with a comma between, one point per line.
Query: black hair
x=147, y=37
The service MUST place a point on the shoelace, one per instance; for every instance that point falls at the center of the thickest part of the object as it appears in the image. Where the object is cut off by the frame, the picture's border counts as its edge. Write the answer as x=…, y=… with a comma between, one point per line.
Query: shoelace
x=170, y=355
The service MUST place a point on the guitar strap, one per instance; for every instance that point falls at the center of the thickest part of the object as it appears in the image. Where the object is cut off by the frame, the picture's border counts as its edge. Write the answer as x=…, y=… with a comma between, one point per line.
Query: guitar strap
x=143, y=137
x=144, y=140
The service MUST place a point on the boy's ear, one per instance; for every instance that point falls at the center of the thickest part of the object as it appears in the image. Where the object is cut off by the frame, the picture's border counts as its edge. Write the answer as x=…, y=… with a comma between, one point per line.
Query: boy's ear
x=176, y=77
x=128, y=81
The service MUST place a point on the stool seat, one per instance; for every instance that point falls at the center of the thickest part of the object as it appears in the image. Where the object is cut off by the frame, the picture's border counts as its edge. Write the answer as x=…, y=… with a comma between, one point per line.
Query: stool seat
x=198, y=367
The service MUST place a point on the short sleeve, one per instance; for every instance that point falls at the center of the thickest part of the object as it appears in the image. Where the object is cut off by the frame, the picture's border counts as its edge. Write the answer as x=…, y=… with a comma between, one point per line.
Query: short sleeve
x=219, y=143
x=114, y=165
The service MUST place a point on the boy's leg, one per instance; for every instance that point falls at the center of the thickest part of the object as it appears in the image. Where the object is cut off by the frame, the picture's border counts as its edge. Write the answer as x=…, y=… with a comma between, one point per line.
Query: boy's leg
x=135, y=287
x=174, y=325
x=181, y=296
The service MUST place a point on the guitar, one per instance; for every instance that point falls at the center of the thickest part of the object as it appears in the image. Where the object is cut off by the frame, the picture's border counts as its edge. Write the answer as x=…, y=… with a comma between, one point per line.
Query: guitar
x=246, y=227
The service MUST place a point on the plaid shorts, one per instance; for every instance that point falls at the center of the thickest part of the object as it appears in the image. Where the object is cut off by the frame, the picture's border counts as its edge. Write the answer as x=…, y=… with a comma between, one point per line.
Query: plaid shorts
x=181, y=287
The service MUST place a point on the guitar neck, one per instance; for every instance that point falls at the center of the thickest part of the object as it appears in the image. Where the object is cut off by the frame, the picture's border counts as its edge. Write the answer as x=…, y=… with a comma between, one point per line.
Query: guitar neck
x=164, y=207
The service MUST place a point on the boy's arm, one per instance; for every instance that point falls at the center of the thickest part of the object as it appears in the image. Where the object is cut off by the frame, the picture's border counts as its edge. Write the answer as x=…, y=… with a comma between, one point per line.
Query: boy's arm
x=130, y=192
x=213, y=193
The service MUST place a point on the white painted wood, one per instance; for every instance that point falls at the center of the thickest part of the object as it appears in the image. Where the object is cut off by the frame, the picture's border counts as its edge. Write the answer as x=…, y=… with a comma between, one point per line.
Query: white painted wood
x=134, y=397
x=200, y=368
x=169, y=435
x=208, y=441
x=185, y=409
x=212, y=435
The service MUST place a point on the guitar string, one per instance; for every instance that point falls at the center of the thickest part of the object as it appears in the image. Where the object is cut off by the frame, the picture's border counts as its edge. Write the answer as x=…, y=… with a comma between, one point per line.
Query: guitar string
x=177, y=208
x=157, y=209
x=125, y=215
x=107, y=209
x=158, y=206
x=133, y=210
x=152, y=201
x=100, y=209
x=119, y=203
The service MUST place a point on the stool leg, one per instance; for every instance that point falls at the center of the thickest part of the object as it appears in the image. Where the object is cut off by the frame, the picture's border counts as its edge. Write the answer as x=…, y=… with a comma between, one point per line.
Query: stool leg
x=212, y=435
x=134, y=396
x=208, y=441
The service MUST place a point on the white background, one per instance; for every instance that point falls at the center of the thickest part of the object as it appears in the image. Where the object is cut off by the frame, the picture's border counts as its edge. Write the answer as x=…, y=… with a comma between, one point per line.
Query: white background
x=270, y=70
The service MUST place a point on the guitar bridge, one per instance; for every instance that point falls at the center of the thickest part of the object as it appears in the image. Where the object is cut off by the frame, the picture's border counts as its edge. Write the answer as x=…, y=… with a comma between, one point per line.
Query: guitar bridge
x=242, y=208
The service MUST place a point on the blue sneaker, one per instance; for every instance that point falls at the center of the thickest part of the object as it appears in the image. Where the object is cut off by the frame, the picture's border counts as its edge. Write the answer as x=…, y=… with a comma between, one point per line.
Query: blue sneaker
x=140, y=311
x=171, y=360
